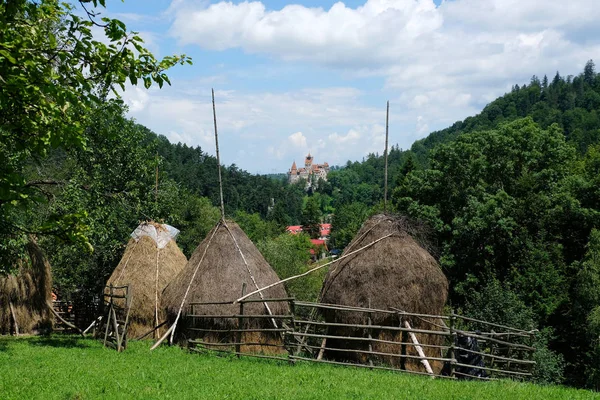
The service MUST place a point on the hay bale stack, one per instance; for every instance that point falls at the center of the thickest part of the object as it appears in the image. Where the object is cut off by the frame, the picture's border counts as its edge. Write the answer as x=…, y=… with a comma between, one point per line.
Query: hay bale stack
x=220, y=277
x=29, y=292
x=138, y=268
x=395, y=272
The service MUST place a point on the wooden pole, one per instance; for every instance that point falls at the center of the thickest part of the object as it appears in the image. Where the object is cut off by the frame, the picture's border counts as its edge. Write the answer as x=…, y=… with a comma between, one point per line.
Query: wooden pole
x=311, y=270
x=157, y=332
x=387, y=116
x=370, y=337
x=419, y=349
x=150, y=331
x=156, y=185
x=14, y=317
x=128, y=302
x=238, y=340
x=108, y=316
x=452, y=352
x=322, y=349
x=96, y=321
x=218, y=158
x=404, y=339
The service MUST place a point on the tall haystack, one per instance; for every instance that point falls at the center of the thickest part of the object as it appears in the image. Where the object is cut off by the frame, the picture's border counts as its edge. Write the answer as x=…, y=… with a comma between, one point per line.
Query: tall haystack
x=216, y=272
x=151, y=261
x=24, y=296
x=394, y=272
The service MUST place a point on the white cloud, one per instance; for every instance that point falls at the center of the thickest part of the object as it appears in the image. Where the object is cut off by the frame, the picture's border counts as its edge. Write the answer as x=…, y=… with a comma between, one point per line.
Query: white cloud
x=462, y=47
x=436, y=64
x=266, y=121
x=298, y=139
x=350, y=138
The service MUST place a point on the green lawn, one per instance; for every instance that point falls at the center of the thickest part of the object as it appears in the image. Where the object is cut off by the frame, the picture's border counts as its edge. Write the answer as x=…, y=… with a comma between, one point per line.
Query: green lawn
x=67, y=367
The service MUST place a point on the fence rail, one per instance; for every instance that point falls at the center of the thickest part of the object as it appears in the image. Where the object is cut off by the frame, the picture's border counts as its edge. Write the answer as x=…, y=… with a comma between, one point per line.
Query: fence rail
x=416, y=343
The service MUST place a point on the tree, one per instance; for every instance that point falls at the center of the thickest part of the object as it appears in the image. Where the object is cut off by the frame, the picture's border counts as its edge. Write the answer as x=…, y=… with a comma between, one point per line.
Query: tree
x=311, y=218
x=347, y=220
x=289, y=255
x=589, y=72
x=54, y=73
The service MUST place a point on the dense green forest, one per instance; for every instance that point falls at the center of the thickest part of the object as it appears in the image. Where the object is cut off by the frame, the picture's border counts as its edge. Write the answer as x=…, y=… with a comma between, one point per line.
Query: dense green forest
x=511, y=196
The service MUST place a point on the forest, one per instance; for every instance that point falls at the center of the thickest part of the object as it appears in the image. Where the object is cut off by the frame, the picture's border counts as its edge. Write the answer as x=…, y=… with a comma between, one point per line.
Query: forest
x=510, y=197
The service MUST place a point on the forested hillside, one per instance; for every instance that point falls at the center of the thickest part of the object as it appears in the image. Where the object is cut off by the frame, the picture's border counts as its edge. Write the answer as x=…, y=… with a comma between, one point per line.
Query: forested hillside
x=511, y=196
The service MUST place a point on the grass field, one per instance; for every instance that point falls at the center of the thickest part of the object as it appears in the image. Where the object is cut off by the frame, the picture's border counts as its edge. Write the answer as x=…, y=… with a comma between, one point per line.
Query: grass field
x=67, y=367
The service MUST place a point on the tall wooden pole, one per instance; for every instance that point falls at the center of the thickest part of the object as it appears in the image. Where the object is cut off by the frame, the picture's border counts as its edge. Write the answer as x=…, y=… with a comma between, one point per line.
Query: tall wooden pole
x=387, y=116
x=218, y=159
x=156, y=186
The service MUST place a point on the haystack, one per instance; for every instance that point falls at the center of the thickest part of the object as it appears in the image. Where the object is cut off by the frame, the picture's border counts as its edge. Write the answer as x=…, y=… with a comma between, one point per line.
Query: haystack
x=151, y=261
x=28, y=292
x=220, y=272
x=394, y=272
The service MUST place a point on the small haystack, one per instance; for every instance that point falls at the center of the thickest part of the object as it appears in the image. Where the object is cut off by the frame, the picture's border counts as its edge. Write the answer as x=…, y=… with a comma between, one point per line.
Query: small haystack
x=151, y=261
x=24, y=297
x=395, y=272
x=220, y=271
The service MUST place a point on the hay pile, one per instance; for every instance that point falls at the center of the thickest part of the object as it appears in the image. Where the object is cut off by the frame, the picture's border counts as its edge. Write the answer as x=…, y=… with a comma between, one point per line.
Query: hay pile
x=395, y=272
x=146, y=267
x=220, y=277
x=28, y=291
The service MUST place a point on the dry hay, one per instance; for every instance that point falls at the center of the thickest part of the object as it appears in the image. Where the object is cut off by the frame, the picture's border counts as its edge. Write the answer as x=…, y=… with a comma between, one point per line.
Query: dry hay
x=219, y=278
x=395, y=272
x=138, y=269
x=29, y=292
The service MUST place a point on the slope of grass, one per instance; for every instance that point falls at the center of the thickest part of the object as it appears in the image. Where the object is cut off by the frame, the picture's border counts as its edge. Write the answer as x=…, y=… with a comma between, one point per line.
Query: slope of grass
x=64, y=367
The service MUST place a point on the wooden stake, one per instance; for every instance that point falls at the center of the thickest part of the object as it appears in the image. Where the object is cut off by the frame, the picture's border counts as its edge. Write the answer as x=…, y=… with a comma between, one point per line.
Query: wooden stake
x=157, y=332
x=156, y=186
x=238, y=346
x=322, y=349
x=150, y=331
x=419, y=349
x=218, y=158
x=370, y=337
x=12, y=311
x=387, y=115
x=310, y=270
x=96, y=321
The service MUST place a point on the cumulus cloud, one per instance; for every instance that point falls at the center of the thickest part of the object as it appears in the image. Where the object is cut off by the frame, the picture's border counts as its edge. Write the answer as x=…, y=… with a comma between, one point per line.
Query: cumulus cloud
x=436, y=64
x=264, y=124
x=463, y=46
x=298, y=139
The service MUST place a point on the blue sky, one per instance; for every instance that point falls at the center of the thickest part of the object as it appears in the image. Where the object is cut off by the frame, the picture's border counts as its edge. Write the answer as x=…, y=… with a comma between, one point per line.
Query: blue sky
x=293, y=77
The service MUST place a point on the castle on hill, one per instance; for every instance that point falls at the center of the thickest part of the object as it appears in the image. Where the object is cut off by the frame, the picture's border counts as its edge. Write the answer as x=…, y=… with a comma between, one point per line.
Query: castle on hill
x=310, y=173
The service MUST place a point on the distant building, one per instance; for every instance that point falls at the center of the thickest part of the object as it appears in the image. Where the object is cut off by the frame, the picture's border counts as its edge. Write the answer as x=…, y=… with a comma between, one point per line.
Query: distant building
x=324, y=231
x=310, y=173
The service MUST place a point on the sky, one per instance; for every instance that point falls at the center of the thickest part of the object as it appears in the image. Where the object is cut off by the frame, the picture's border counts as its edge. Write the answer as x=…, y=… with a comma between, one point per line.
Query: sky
x=314, y=76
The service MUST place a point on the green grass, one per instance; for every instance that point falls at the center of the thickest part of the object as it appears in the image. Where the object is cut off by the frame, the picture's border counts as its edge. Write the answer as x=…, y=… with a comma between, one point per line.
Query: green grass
x=67, y=367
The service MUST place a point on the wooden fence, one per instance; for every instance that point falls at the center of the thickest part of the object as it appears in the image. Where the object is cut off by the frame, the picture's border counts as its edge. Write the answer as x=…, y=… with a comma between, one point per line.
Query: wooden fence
x=443, y=346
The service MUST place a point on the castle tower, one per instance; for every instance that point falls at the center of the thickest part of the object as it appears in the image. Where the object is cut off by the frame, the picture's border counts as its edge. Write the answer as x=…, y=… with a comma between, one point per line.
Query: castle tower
x=308, y=161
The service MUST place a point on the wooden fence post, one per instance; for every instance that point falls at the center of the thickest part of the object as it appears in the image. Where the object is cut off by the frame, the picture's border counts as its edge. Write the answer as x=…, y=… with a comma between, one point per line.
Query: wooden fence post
x=288, y=336
x=238, y=336
x=108, y=315
x=452, y=352
x=404, y=340
x=370, y=337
